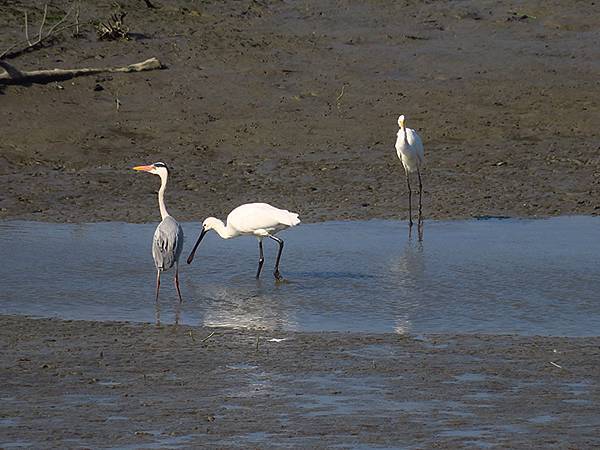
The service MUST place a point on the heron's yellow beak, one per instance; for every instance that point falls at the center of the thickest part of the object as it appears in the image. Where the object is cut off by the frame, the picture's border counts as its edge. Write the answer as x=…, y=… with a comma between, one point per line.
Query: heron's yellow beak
x=144, y=168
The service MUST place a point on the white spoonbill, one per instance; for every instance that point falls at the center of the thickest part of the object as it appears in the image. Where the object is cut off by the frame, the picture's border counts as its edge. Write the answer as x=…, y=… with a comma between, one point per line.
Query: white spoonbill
x=409, y=148
x=167, y=243
x=252, y=219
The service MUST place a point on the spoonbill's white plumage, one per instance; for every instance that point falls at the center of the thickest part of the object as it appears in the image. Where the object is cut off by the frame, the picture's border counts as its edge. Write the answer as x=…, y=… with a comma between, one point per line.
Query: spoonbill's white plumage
x=409, y=148
x=252, y=219
x=167, y=243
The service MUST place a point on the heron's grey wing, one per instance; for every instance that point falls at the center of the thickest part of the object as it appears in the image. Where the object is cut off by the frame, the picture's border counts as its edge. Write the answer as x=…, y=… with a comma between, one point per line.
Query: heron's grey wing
x=167, y=244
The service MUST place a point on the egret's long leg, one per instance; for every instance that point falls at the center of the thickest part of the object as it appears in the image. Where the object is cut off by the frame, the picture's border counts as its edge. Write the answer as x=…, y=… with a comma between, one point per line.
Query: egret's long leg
x=410, y=222
x=261, y=258
x=157, y=283
x=276, y=271
x=177, y=282
x=420, y=195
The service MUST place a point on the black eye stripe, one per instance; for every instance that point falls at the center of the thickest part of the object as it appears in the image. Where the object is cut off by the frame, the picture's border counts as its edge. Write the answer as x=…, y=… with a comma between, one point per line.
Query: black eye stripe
x=160, y=164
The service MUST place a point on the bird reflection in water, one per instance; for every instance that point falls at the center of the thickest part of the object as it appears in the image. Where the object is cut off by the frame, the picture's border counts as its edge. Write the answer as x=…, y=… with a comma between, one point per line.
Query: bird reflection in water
x=407, y=271
x=419, y=230
x=253, y=308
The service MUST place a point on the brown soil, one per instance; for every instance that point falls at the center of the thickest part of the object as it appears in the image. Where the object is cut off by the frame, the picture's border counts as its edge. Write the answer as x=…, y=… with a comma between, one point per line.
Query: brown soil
x=90, y=385
x=295, y=103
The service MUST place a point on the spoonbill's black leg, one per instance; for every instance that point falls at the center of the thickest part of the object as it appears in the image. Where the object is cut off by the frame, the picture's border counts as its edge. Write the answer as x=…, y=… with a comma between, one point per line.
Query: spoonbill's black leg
x=177, y=313
x=276, y=273
x=261, y=258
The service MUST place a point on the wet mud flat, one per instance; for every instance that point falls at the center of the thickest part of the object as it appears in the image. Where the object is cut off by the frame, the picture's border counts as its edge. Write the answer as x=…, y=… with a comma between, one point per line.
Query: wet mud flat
x=296, y=104
x=89, y=384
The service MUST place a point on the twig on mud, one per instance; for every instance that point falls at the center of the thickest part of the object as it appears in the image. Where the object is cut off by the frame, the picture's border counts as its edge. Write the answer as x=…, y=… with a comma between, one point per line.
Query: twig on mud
x=339, y=97
x=556, y=365
x=77, y=17
x=42, y=24
x=27, y=30
x=54, y=29
x=192, y=336
x=208, y=337
x=257, y=341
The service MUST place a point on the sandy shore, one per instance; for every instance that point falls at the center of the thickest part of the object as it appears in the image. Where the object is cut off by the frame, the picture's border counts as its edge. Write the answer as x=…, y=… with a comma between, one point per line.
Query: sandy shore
x=296, y=103
x=88, y=385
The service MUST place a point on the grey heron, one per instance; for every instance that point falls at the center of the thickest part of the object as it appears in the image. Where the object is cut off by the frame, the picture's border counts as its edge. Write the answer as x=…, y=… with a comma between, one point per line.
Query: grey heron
x=252, y=219
x=167, y=243
x=409, y=148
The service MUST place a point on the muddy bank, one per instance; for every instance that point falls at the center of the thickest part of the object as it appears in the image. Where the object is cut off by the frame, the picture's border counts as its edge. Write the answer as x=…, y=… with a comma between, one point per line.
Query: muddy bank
x=296, y=104
x=89, y=384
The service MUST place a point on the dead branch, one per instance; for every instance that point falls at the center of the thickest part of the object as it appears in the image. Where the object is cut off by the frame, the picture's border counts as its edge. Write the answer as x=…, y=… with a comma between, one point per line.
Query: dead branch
x=114, y=28
x=15, y=76
x=42, y=24
x=42, y=36
x=77, y=12
x=27, y=31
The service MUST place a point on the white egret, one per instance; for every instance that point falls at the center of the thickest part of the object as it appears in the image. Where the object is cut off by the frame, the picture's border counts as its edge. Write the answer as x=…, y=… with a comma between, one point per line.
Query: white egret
x=252, y=219
x=409, y=148
x=167, y=243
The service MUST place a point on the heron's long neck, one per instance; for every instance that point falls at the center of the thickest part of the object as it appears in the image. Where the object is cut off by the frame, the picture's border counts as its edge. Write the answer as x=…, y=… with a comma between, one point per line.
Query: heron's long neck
x=161, y=197
x=225, y=231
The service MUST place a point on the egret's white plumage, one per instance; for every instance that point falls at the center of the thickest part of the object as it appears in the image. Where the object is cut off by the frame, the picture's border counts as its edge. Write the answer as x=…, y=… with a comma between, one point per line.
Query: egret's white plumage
x=167, y=243
x=409, y=149
x=252, y=219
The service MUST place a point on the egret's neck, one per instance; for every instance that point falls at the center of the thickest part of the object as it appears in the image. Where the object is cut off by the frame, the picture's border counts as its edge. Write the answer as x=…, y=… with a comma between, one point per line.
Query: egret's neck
x=161, y=196
x=225, y=231
x=403, y=133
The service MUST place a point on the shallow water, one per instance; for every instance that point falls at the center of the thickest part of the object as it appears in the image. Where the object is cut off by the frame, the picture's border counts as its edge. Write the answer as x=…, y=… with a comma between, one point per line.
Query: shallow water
x=490, y=276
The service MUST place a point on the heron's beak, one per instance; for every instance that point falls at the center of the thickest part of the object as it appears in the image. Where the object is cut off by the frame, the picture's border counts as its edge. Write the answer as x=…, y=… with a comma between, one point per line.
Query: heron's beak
x=144, y=168
x=191, y=257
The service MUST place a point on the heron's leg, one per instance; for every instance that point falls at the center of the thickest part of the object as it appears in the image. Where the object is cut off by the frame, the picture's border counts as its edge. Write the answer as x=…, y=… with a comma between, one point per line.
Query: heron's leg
x=157, y=284
x=410, y=222
x=177, y=281
x=156, y=303
x=276, y=271
x=261, y=258
x=420, y=195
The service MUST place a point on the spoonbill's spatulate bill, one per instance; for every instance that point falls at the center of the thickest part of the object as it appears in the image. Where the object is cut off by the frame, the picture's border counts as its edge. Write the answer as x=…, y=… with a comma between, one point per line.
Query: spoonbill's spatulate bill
x=252, y=219
x=409, y=148
x=167, y=243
